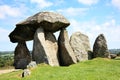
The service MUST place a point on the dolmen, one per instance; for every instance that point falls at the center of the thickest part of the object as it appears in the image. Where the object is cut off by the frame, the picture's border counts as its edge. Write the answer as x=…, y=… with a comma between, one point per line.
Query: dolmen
x=46, y=48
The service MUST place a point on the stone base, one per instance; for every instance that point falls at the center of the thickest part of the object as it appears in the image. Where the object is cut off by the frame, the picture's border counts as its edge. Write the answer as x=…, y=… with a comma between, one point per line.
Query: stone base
x=22, y=56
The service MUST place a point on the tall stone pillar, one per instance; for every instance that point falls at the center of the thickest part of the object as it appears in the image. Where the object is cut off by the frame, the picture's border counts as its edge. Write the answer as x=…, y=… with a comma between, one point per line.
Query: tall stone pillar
x=45, y=48
x=66, y=54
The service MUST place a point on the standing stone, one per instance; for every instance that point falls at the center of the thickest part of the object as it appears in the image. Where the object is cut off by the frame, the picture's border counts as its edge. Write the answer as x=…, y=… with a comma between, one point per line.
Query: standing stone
x=66, y=54
x=22, y=56
x=45, y=48
x=100, y=47
x=80, y=45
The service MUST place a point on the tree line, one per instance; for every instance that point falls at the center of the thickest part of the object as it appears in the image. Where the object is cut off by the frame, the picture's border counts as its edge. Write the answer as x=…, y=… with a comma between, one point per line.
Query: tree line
x=115, y=51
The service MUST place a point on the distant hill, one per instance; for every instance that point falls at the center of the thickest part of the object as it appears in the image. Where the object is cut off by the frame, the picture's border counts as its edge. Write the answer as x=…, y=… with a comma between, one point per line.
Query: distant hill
x=6, y=52
x=114, y=51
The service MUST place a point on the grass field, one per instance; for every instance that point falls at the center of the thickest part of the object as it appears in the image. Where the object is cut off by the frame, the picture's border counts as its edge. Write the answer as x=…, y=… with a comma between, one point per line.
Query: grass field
x=96, y=69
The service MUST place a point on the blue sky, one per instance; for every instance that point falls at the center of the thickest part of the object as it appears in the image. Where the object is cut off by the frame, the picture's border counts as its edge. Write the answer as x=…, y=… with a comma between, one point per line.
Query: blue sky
x=90, y=17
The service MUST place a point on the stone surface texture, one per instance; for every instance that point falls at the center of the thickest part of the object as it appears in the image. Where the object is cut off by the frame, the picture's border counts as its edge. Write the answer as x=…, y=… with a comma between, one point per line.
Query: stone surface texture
x=80, y=45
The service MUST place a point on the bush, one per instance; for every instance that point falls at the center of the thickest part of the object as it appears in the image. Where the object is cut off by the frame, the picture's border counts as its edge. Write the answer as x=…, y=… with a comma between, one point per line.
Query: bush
x=6, y=61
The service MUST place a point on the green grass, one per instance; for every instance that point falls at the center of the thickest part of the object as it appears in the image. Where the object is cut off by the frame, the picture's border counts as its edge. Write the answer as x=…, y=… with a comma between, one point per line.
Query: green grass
x=96, y=69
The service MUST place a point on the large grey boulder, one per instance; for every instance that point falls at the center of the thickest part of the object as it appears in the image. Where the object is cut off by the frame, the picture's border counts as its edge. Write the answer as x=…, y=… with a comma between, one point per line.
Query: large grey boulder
x=21, y=56
x=80, y=45
x=66, y=54
x=45, y=48
x=100, y=48
x=50, y=21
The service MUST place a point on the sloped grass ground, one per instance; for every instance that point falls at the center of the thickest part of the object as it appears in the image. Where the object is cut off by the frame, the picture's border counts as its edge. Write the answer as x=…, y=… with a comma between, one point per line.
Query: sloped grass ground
x=96, y=69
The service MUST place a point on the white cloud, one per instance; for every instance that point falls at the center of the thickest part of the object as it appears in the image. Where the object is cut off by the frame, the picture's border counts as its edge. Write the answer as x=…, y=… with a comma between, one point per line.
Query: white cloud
x=116, y=3
x=110, y=29
x=72, y=12
x=111, y=23
x=88, y=2
x=6, y=10
x=59, y=2
x=42, y=3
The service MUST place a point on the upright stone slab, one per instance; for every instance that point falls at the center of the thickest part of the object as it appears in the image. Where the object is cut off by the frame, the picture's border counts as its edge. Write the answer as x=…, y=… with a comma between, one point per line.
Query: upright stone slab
x=80, y=45
x=45, y=48
x=21, y=56
x=100, y=47
x=66, y=54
